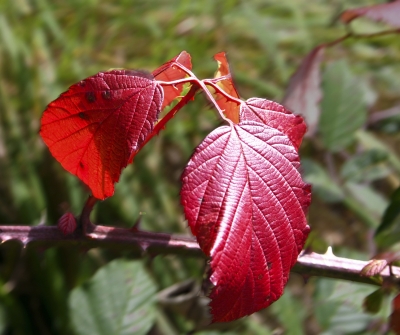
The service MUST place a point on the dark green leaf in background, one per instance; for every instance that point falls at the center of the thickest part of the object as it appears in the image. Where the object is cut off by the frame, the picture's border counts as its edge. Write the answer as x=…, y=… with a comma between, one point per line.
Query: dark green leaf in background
x=370, y=141
x=391, y=212
x=367, y=166
x=372, y=201
x=290, y=313
x=372, y=302
x=118, y=300
x=322, y=184
x=343, y=106
x=338, y=307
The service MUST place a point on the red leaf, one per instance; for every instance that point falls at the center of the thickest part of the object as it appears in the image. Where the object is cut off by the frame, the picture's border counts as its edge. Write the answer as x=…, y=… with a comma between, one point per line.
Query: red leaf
x=386, y=12
x=396, y=303
x=380, y=261
x=169, y=72
x=93, y=128
x=230, y=108
x=67, y=223
x=374, y=267
x=304, y=92
x=395, y=316
x=276, y=116
x=245, y=201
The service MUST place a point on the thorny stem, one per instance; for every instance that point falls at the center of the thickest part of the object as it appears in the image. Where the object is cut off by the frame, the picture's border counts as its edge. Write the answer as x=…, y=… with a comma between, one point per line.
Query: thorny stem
x=308, y=264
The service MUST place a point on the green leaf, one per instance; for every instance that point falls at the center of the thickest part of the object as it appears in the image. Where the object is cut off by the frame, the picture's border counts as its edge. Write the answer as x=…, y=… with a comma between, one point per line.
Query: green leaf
x=373, y=302
x=370, y=141
x=118, y=300
x=323, y=186
x=290, y=313
x=346, y=320
x=343, y=106
x=391, y=212
x=338, y=307
x=389, y=237
x=390, y=125
x=373, y=202
x=367, y=166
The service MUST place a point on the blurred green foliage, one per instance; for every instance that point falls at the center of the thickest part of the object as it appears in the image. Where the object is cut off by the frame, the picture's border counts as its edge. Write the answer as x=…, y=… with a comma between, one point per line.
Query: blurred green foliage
x=353, y=162
x=118, y=300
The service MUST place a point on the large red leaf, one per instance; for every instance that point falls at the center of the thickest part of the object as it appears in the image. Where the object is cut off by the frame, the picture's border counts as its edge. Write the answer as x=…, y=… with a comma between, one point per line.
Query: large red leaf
x=170, y=72
x=93, y=128
x=304, y=92
x=230, y=108
x=245, y=201
x=276, y=116
x=386, y=12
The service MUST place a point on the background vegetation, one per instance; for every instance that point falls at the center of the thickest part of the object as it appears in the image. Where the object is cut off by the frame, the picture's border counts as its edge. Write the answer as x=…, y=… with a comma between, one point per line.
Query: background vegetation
x=353, y=161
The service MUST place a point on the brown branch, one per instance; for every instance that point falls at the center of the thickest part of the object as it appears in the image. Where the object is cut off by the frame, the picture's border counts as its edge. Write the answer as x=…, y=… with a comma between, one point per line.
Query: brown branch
x=384, y=114
x=351, y=34
x=309, y=264
x=100, y=236
x=330, y=266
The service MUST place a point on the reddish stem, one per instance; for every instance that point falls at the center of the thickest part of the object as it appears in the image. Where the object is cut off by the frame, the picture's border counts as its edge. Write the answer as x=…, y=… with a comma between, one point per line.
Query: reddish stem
x=84, y=221
x=161, y=124
x=206, y=91
x=211, y=82
x=196, y=85
x=350, y=34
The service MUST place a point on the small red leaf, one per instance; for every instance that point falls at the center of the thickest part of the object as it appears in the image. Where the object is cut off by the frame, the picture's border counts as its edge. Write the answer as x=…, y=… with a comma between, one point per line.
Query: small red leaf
x=245, y=201
x=380, y=261
x=230, y=108
x=276, y=116
x=374, y=267
x=386, y=12
x=94, y=127
x=170, y=72
x=304, y=92
x=67, y=223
